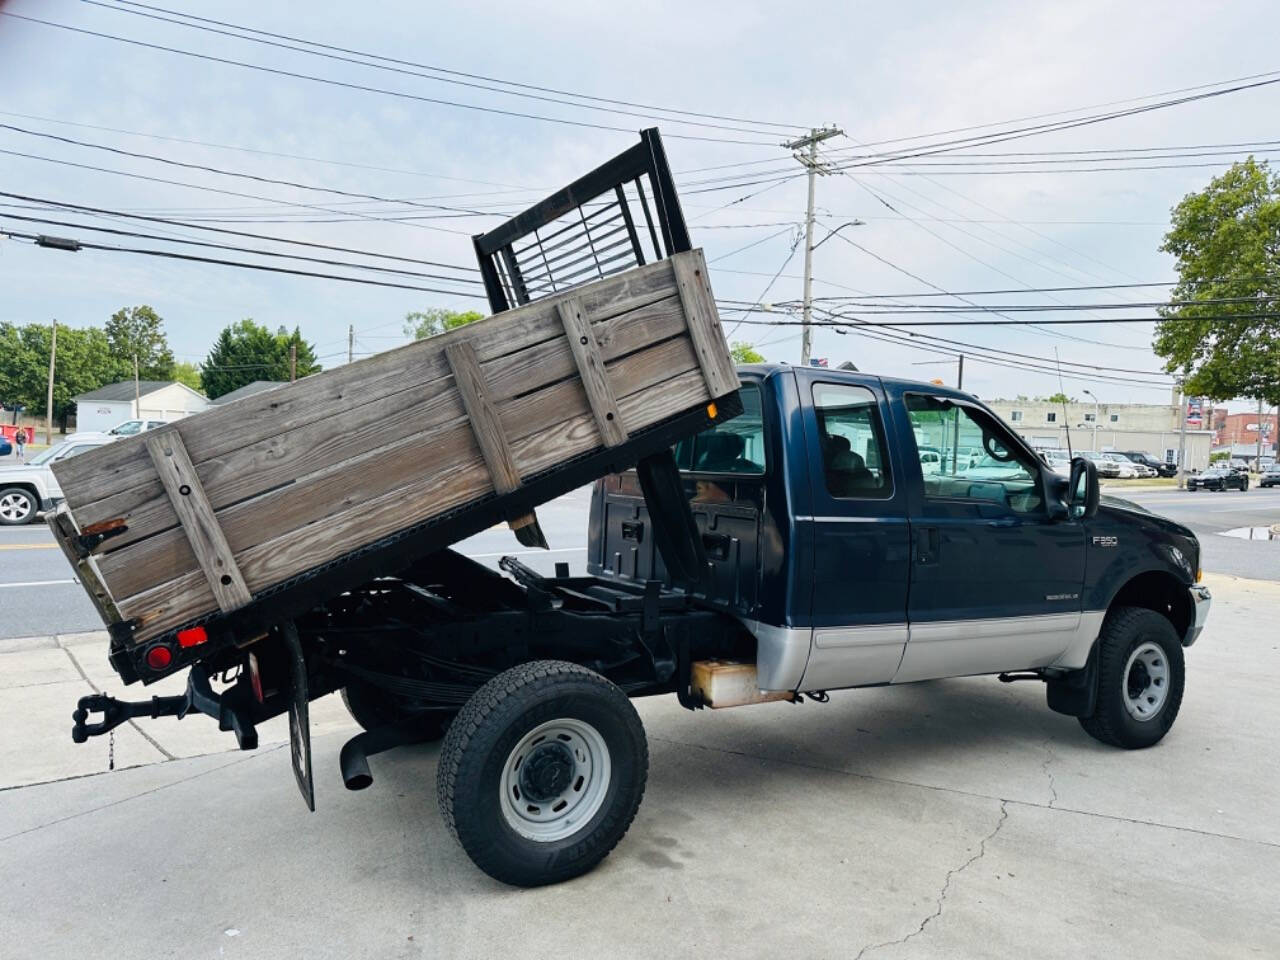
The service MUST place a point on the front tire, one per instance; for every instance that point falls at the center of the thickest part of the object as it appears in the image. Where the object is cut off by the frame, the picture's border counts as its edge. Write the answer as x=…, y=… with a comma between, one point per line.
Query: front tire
x=17, y=506
x=1141, y=676
x=542, y=772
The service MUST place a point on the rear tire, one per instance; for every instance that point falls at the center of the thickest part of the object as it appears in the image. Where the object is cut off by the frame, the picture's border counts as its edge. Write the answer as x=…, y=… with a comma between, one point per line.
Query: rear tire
x=372, y=708
x=542, y=773
x=1141, y=676
x=17, y=506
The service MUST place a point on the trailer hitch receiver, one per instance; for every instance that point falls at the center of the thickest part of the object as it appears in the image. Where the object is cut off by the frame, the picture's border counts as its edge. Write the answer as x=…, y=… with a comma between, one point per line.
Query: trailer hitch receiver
x=229, y=708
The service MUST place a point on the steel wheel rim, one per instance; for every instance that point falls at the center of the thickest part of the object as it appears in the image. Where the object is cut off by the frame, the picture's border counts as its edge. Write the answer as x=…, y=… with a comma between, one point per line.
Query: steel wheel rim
x=15, y=506
x=1146, y=682
x=555, y=780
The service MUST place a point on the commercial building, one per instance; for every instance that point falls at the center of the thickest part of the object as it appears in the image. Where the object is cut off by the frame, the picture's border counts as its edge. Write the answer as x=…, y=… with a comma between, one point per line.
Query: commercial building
x=1236, y=434
x=1145, y=427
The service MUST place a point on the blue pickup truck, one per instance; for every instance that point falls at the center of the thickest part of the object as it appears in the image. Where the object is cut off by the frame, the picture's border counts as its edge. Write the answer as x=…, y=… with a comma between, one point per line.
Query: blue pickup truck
x=841, y=531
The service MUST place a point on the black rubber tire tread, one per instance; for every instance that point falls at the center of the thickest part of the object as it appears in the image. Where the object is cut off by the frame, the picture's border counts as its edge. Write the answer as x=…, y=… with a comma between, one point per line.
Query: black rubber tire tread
x=490, y=724
x=1110, y=723
x=30, y=517
x=370, y=708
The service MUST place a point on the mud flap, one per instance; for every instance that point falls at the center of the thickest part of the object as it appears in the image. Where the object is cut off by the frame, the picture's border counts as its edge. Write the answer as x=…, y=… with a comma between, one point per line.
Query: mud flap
x=299, y=715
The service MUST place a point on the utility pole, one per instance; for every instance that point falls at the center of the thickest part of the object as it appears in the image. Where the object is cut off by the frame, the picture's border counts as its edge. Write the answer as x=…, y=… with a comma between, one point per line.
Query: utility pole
x=293, y=363
x=1182, y=434
x=351, y=342
x=48, y=404
x=1095, y=419
x=955, y=438
x=816, y=136
x=137, y=391
x=1258, y=461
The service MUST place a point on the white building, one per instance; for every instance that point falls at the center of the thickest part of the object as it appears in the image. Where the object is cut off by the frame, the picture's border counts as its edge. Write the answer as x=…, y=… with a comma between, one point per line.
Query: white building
x=1149, y=428
x=107, y=406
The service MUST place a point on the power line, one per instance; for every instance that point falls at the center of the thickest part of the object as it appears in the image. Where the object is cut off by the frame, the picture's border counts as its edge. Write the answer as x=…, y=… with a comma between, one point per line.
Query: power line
x=221, y=190
x=201, y=23
x=365, y=88
x=257, y=178
x=1059, y=113
x=261, y=253
x=1177, y=318
x=1102, y=286
x=171, y=255
x=62, y=205
x=769, y=286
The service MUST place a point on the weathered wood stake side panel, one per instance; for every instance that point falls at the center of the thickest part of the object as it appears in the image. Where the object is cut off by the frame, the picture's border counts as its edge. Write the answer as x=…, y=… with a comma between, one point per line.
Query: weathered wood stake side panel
x=209, y=511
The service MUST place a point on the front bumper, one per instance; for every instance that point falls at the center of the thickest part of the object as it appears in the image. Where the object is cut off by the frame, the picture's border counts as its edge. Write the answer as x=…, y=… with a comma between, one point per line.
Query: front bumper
x=1200, y=601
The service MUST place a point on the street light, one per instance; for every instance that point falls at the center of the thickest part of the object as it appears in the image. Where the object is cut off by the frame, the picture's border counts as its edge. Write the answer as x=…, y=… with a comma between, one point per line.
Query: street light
x=1095, y=418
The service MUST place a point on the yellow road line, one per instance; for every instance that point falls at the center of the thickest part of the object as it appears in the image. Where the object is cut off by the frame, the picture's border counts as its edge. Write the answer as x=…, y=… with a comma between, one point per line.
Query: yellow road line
x=28, y=546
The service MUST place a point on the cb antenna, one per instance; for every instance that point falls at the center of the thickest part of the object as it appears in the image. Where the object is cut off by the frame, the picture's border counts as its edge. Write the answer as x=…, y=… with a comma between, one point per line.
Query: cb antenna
x=1066, y=421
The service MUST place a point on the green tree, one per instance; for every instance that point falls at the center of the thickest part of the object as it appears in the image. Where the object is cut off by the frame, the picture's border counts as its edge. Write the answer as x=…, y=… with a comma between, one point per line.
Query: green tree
x=1061, y=398
x=139, y=332
x=247, y=351
x=745, y=353
x=1226, y=240
x=188, y=373
x=83, y=363
x=427, y=323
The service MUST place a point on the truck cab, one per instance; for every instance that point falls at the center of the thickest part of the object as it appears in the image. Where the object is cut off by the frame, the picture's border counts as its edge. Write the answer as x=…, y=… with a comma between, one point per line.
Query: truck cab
x=858, y=549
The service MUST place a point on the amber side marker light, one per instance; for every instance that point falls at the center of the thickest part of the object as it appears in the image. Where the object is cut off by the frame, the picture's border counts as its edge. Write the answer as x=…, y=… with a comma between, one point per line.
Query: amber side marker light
x=192, y=637
x=712, y=411
x=1199, y=574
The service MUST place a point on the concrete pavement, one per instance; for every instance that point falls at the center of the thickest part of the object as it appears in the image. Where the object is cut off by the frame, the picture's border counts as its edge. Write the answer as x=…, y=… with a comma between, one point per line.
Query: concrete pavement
x=951, y=819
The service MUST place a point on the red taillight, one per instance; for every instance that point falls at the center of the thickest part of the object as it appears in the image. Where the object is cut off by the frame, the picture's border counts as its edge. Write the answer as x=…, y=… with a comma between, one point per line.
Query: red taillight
x=159, y=657
x=192, y=637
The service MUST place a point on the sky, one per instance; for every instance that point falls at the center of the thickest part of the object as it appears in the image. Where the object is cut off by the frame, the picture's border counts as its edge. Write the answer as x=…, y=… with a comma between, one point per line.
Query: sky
x=877, y=71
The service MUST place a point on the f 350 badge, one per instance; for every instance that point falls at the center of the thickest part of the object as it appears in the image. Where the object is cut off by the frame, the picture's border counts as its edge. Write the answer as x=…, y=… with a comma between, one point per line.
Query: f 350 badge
x=1106, y=541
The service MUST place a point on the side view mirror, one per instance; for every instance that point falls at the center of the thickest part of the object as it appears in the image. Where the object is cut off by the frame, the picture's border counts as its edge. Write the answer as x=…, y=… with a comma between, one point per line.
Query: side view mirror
x=1083, y=491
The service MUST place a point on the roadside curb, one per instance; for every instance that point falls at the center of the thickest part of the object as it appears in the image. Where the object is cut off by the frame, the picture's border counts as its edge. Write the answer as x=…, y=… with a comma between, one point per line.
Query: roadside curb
x=20, y=644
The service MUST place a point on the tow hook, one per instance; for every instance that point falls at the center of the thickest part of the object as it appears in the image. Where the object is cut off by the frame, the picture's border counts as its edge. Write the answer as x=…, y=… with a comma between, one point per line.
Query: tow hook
x=229, y=708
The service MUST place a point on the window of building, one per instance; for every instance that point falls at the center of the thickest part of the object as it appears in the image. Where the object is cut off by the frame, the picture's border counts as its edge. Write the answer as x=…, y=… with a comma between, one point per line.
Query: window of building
x=1089, y=418
x=852, y=439
x=988, y=465
x=1115, y=418
x=1051, y=418
x=736, y=446
x=1016, y=416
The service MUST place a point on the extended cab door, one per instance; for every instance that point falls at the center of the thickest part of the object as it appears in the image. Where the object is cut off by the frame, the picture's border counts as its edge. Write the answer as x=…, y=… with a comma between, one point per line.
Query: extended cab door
x=862, y=550
x=995, y=583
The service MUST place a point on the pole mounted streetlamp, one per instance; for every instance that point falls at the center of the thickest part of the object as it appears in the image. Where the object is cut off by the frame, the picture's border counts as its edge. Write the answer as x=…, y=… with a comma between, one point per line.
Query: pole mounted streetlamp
x=1095, y=418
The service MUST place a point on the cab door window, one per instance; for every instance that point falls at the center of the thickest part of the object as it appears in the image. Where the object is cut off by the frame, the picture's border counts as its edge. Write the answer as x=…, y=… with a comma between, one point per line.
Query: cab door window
x=851, y=436
x=735, y=446
x=977, y=459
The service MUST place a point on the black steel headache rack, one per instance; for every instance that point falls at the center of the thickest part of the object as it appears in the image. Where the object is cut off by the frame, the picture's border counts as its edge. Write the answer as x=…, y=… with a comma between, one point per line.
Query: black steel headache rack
x=603, y=223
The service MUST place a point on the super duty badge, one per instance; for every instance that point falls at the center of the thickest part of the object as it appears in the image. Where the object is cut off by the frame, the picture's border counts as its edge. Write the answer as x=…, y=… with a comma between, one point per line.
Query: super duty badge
x=1106, y=541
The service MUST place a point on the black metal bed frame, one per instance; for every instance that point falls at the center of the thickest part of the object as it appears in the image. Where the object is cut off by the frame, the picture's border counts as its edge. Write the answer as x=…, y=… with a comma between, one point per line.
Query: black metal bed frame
x=589, y=240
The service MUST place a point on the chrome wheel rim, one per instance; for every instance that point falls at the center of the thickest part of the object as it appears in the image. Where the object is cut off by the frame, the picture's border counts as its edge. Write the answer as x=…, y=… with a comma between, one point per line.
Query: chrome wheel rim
x=555, y=780
x=1146, y=682
x=15, y=507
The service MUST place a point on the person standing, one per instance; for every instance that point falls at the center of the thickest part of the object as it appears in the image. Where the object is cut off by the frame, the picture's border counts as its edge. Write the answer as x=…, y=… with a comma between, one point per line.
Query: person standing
x=20, y=443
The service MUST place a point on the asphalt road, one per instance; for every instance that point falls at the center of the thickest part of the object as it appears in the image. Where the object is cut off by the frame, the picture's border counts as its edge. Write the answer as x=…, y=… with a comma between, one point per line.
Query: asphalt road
x=38, y=596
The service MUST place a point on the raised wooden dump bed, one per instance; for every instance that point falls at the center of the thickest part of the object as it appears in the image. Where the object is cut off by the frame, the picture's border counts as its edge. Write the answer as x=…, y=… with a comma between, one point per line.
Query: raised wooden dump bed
x=348, y=473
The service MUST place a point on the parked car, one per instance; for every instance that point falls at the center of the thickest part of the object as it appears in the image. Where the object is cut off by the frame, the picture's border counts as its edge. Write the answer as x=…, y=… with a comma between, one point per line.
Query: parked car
x=1271, y=476
x=131, y=427
x=1162, y=468
x=1220, y=478
x=6, y=447
x=1058, y=461
x=1147, y=464
x=27, y=488
x=1126, y=468
x=1107, y=469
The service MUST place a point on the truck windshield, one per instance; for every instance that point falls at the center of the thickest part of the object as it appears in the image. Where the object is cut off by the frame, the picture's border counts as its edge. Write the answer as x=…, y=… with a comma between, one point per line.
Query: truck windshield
x=735, y=446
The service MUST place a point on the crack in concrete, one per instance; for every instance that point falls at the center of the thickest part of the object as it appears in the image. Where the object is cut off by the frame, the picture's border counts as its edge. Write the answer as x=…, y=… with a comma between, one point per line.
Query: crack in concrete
x=957, y=791
x=946, y=887
x=1053, y=783
x=133, y=723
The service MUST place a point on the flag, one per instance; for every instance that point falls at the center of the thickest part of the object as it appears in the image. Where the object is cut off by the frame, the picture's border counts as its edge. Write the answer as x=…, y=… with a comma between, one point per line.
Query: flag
x=817, y=361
